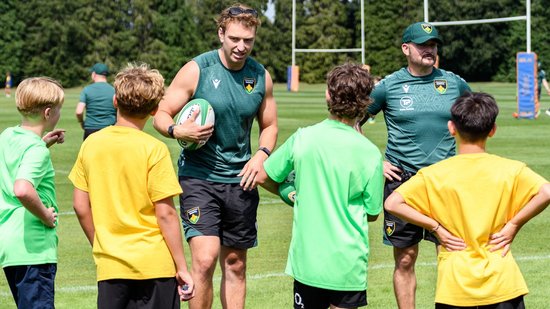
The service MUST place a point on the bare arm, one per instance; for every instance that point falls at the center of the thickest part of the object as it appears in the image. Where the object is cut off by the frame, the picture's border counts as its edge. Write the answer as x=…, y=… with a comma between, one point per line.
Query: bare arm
x=267, y=183
x=177, y=95
x=56, y=136
x=83, y=209
x=80, y=107
x=168, y=221
x=504, y=237
x=267, y=120
x=396, y=205
x=27, y=195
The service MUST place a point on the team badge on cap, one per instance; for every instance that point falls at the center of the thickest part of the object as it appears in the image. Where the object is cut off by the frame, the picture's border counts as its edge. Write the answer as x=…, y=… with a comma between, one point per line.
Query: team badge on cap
x=427, y=28
x=194, y=214
x=389, y=227
x=440, y=85
x=249, y=84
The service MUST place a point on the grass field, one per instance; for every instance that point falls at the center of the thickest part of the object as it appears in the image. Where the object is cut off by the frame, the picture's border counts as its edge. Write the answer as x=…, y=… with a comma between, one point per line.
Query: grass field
x=268, y=286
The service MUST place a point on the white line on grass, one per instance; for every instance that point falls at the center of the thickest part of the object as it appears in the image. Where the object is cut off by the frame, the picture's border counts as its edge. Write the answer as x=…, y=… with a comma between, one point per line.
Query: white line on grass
x=88, y=288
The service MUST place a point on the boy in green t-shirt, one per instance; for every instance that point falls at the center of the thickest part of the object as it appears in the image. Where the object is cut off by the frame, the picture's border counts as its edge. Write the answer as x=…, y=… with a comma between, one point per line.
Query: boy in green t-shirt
x=475, y=203
x=339, y=186
x=124, y=187
x=28, y=204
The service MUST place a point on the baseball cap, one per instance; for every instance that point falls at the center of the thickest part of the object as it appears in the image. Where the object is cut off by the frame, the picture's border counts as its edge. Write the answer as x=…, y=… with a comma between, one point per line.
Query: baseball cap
x=420, y=33
x=100, y=68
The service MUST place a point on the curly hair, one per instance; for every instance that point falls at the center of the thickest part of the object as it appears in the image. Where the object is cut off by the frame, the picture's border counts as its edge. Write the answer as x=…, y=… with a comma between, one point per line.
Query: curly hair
x=138, y=90
x=248, y=19
x=35, y=94
x=349, y=88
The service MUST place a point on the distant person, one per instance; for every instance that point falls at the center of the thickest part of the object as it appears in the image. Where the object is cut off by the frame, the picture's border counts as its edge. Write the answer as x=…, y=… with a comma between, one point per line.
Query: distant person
x=339, y=187
x=481, y=199
x=8, y=85
x=541, y=81
x=97, y=101
x=125, y=204
x=28, y=203
x=416, y=101
x=220, y=200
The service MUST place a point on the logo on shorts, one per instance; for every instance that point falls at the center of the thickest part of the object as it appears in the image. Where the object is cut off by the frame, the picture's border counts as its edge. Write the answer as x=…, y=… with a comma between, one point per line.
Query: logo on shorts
x=440, y=85
x=249, y=84
x=194, y=214
x=389, y=227
x=298, y=300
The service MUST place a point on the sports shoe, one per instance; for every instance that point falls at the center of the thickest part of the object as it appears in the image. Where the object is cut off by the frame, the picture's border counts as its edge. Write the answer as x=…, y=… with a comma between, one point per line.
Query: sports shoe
x=548, y=112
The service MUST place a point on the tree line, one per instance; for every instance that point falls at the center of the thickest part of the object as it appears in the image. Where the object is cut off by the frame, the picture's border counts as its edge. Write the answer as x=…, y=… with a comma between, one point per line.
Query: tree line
x=62, y=39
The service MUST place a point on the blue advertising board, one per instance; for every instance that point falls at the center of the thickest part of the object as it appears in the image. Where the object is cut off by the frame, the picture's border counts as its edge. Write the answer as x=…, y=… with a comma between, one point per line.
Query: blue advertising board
x=526, y=68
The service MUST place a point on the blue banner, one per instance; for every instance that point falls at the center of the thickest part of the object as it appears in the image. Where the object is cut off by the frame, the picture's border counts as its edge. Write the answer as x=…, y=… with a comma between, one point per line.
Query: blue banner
x=526, y=64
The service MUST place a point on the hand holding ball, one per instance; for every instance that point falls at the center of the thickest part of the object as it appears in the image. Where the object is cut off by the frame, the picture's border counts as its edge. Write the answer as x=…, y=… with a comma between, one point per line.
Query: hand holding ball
x=205, y=117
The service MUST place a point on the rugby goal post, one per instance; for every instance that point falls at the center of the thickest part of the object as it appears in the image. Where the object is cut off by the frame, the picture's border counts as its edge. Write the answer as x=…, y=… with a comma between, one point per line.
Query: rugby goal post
x=526, y=62
x=293, y=71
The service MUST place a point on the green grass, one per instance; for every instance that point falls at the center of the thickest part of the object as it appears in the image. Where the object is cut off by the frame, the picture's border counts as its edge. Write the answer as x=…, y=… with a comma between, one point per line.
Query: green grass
x=268, y=287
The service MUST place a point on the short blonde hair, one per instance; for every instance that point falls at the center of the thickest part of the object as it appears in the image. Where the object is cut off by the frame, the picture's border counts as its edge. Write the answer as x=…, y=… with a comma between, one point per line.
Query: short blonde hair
x=138, y=90
x=247, y=19
x=35, y=94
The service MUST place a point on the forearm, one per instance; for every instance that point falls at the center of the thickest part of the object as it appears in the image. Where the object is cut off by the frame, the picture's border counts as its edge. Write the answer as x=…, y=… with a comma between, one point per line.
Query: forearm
x=169, y=224
x=535, y=206
x=268, y=137
x=27, y=195
x=162, y=121
x=83, y=210
x=395, y=204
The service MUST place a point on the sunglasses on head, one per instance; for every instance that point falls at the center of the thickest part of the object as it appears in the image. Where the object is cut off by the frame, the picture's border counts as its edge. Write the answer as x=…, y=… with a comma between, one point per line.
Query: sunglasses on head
x=234, y=11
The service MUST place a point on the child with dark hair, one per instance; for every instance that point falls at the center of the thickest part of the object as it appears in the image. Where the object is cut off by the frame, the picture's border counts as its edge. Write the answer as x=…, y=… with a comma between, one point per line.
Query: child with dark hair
x=475, y=203
x=339, y=185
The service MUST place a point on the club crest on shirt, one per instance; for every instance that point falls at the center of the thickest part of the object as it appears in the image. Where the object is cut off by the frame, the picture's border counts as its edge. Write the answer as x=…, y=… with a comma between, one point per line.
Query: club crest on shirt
x=249, y=84
x=427, y=28
x=440, y=85
x=194, y=214
x=389, y=227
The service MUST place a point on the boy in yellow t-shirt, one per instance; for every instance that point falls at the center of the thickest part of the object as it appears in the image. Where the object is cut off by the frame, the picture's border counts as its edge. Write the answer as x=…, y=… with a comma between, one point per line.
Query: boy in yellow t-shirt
x=475, y=203
x=124, y=185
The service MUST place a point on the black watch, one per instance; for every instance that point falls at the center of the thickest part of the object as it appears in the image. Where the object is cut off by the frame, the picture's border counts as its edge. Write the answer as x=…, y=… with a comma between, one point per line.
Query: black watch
x=171, y=130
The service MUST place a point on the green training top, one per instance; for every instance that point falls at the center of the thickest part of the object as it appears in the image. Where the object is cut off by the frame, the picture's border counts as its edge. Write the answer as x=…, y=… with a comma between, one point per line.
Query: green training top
x=416, y=111
x=339, y=182
x=235, y=97
x=24, y=239
x=100, y=111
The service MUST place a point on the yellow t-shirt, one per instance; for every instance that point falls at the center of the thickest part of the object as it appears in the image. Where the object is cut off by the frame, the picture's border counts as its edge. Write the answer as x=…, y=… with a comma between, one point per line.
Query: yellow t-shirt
x=125, y=171
x=473, y=196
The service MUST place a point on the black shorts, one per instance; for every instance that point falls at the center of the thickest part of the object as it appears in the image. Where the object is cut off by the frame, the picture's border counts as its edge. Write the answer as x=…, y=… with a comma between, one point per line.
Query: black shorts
x=516, y=303
x=143, y=294
x=308, y=297
x=399, y=233
x=217, y=209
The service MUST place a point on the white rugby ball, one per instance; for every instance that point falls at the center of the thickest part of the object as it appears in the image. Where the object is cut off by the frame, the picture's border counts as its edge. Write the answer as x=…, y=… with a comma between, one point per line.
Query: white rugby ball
x=205, y=116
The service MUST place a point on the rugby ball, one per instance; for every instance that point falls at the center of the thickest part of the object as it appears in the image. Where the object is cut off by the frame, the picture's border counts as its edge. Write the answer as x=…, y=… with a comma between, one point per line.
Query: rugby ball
x=205, y=116
x=287, y=190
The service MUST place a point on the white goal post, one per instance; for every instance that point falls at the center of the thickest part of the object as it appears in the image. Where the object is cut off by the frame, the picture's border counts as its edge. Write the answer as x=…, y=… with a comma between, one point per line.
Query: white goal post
x=526, y=17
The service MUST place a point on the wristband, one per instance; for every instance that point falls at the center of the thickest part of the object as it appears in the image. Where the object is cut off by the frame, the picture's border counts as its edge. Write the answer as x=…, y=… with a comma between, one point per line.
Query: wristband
x=171, y=130
x=435, y=228
x=265, y=150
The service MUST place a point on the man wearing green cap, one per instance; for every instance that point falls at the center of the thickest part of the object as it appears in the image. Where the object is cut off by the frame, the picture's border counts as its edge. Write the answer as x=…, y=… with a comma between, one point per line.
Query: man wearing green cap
x=97, y=100
x=416, y=102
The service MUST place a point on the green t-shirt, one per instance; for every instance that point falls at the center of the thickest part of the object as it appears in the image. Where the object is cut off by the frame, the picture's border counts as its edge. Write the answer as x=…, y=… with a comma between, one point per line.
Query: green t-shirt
x=100, y=111
x=338, y=182
x=416, y=111
x=235, y=97
x=24, y=239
